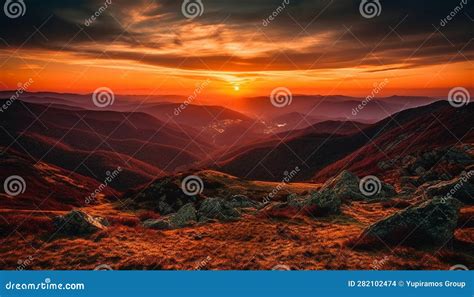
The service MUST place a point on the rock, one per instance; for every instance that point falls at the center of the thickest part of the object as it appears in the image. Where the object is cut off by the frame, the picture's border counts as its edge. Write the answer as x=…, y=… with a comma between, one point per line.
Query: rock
x=324, y=202
x=186, y=216
x=328, y=200
x=217, y=208
x=456, y=155
x=430, y=223
x=436, y=164
x=160, y=224
x=461, y=188
x=385, y=165
x=78, y=222
x=296, y=201
x=242, y=201
x=163, y=207
x=103, y=221
x=420, y=170
x=164, y=196
x=346, y=187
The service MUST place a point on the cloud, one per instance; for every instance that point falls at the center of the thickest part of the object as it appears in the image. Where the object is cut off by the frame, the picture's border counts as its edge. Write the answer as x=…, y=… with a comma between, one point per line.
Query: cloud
x=229, y=36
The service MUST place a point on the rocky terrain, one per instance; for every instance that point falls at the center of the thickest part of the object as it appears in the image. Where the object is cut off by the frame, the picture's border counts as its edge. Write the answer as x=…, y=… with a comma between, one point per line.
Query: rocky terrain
x=306, y=226
x=379, y=205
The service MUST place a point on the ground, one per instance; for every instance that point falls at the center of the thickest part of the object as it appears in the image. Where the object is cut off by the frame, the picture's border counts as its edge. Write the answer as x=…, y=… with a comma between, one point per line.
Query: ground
x=252, y=243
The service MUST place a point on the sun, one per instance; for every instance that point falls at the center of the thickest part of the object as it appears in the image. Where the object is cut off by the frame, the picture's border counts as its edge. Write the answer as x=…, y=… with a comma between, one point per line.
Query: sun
x=236, y=88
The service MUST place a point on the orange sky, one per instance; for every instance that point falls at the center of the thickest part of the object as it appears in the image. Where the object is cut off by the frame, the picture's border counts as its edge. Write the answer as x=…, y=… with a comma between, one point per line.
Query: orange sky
x=70, y=74
x=240, y=60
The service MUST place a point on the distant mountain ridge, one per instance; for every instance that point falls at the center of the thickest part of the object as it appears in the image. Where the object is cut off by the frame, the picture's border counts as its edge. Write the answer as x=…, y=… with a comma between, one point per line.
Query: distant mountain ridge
x=322, y=155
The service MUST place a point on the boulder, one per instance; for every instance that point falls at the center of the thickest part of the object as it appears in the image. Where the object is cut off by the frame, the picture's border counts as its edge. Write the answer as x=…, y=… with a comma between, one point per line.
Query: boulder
x=296, y=201
x=324, y=202
x=458, y=155
x=430, y=223
x=159, y=224
x=461, y=188
x=78, y=222
x=346, y=187
x=164, y=196
x=385, y=165
x=437, y=164
x=242, y=201
x=320, y=203
x=186, y=216
x=217, y=208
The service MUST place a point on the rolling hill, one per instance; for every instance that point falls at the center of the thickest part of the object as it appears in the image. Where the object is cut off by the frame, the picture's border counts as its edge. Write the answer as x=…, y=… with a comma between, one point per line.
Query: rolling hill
x=427, y=127
x=47, y=187
x=94, y=142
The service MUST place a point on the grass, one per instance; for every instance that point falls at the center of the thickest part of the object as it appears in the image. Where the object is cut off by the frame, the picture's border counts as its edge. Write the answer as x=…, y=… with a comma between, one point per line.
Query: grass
x=250, y=243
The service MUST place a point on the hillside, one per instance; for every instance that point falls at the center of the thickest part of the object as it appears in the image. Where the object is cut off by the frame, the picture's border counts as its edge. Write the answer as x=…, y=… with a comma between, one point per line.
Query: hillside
x=410, y=130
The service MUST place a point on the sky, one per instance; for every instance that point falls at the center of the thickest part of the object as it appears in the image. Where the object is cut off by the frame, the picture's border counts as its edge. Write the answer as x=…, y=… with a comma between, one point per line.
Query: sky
x=310, y=47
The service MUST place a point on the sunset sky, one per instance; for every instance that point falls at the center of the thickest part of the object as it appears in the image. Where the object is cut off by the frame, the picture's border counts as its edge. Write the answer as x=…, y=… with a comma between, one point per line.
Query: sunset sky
x=311, y=47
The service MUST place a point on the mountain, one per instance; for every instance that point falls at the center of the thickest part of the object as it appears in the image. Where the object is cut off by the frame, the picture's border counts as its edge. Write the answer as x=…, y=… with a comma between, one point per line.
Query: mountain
x=335, y=107
x=326, y=127
x=427, y=127
x=94, y=142
x=46, y=187
x=431, y=132
x=121, y=102
x=219, y=125
x=294, y=121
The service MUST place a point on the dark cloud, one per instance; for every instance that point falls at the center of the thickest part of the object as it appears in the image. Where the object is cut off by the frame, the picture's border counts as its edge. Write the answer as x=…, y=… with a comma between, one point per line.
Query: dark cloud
x=404, y=29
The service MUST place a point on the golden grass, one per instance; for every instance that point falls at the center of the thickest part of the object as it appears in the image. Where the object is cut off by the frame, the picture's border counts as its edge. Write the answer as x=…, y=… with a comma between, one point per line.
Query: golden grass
x=251, y=243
